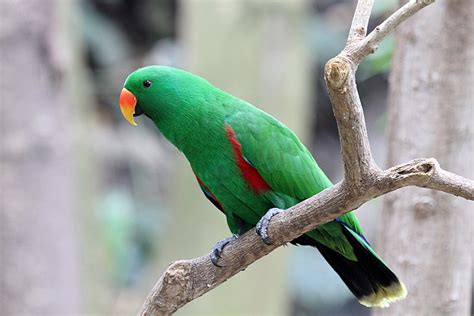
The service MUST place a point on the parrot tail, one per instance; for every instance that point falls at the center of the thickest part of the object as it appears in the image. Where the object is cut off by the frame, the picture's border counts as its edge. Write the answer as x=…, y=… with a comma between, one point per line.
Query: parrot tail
x=368, y=278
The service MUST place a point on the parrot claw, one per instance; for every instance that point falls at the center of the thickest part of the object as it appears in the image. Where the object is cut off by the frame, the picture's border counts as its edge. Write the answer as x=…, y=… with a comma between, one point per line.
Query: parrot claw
x=216, y=251
x=262, y=225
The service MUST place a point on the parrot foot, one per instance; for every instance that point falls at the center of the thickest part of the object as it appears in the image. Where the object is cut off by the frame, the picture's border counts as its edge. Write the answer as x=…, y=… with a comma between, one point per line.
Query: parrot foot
x=216, y=251
x=262, y=225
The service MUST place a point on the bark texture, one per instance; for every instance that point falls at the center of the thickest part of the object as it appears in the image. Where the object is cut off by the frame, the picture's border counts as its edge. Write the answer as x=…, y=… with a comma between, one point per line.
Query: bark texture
x=39, y=273
x=427, y=235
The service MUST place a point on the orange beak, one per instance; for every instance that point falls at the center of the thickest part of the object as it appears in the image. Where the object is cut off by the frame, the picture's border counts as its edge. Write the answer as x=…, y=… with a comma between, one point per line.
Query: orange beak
x=127, y=105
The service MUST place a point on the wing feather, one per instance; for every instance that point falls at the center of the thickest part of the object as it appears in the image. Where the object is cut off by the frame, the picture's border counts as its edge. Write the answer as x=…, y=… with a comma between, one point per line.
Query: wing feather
x=278, y=155
x=289, y=169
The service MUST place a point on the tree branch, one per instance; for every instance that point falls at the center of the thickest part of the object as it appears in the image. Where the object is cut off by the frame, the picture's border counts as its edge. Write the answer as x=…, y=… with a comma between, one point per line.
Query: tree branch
x=360, y=21
x=186, y=280
x=358, y=50
x=356, y=154
x=427, y=173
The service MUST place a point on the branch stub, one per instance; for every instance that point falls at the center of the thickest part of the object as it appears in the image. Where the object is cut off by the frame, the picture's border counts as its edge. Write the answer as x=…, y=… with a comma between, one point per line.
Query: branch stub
x=336, y=72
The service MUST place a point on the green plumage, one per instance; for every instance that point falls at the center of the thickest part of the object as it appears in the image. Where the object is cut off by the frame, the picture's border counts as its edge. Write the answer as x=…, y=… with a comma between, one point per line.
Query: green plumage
x=210, y=126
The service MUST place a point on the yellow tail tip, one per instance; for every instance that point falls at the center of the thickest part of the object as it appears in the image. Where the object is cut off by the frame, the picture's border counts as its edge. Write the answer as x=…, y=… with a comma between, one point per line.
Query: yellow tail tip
x=385, y=295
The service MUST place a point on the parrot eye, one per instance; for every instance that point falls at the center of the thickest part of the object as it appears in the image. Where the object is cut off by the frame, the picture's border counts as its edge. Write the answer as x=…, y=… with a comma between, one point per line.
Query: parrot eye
x=147, y=83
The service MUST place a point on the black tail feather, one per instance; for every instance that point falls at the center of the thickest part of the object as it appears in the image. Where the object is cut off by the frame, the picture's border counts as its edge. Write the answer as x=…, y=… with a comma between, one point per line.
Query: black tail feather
x=368, y=278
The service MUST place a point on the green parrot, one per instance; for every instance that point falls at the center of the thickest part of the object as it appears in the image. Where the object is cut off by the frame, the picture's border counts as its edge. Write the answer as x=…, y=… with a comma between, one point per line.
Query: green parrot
x=251, y=166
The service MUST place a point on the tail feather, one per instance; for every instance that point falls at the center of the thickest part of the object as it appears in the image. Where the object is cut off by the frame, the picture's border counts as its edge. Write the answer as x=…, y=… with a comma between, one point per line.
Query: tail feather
x=368, y=278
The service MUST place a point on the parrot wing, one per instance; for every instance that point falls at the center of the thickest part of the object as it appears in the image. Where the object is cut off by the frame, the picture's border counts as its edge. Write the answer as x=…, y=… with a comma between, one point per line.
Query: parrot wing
x=277, y=154
x=287, y=166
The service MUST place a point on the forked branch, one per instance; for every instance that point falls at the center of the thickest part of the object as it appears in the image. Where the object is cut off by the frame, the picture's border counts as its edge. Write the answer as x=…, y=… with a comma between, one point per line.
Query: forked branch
x=186, y=280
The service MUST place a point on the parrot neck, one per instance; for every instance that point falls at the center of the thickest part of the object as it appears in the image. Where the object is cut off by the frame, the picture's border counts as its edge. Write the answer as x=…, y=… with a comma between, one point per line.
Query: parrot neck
x=194, y=128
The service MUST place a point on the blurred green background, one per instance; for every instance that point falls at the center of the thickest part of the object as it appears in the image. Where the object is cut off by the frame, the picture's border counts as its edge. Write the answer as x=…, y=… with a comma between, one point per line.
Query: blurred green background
x=136, y=205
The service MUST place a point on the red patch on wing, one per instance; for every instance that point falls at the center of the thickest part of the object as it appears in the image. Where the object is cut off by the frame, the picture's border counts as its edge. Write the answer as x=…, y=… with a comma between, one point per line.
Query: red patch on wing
x=250, y=174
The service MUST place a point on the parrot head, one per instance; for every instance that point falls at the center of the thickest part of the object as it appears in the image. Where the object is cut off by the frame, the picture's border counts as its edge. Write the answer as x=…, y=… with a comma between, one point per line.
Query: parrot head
x=160, y=93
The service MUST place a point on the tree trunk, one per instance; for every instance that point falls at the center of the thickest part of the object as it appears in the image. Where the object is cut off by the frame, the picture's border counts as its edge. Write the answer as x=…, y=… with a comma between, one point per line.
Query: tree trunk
x=427, y=235
x=39, y=272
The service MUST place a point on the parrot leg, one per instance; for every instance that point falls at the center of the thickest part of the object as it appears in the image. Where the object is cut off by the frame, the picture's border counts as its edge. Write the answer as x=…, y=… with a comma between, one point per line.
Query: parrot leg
x=262, y=225
x=216, y=251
